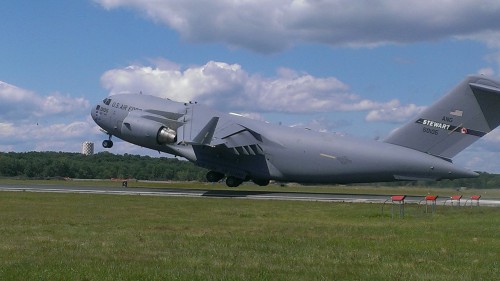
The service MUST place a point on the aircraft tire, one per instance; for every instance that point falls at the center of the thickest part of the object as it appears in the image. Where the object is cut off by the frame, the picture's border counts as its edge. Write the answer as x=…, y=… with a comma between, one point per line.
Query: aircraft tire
x=107, y=144
x=261, y=182
x=233, y=181
x=213, y=176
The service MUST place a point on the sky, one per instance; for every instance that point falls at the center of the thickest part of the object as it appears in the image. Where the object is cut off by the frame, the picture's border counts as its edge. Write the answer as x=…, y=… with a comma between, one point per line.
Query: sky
x=360, y=68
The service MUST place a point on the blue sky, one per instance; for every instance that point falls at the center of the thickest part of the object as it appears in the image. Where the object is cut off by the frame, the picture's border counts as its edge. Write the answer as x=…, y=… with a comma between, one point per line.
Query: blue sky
x=360, y=68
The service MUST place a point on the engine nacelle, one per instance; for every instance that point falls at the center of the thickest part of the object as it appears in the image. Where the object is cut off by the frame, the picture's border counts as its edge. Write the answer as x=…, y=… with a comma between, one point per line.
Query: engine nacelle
x=147, y=132
x=166, y=135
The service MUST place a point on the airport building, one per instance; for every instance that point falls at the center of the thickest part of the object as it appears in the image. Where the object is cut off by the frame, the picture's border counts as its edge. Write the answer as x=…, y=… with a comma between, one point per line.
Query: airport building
x=88, y=148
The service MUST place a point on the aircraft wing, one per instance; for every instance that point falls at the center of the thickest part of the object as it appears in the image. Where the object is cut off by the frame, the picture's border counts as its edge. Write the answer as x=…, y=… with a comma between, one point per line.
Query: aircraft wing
x=219, y=131
x=235, y=135
x=234, y=138
x=238, y=139
x=156, y=116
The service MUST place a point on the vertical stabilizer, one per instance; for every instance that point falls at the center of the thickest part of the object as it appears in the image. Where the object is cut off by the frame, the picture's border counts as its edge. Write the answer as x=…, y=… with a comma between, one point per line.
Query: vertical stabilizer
x=465, y=114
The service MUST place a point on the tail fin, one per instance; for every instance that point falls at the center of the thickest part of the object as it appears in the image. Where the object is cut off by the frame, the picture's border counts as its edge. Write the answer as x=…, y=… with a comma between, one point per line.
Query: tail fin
x=468, y=112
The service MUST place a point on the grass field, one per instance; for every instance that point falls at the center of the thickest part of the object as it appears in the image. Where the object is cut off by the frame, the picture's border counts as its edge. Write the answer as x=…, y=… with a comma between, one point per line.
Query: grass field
x=47, y=236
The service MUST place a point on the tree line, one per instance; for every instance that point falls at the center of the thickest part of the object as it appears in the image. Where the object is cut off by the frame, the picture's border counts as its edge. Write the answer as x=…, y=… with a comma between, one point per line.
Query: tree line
x=104, y=165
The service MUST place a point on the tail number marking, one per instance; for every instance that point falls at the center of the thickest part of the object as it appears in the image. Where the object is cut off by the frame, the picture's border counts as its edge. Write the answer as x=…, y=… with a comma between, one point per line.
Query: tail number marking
x=433, y=126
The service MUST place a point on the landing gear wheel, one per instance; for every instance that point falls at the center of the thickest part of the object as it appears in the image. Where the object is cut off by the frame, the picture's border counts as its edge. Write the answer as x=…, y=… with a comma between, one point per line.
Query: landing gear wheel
x=213, y=176
x=261, y=182
x=107, y=143
x=233, y=181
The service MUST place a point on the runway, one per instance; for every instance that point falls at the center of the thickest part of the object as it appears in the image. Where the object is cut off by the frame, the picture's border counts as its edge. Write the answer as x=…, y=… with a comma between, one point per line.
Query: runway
x=241, y=194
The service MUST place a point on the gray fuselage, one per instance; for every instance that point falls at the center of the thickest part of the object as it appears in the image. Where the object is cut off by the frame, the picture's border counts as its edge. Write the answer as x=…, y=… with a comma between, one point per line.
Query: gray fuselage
x=248, y=149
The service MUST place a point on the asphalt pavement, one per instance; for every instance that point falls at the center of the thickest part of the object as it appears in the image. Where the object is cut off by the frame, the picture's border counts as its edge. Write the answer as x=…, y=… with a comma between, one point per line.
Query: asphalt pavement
x=262, y=195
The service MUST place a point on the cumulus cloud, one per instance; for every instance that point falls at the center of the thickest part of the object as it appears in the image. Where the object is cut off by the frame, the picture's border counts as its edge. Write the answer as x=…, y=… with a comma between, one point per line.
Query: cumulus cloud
x=46, y=132
x=479, y=157
x=323, y=124
x=488, y=71
x=274, y=25
x=490, y=37
x=29, y=121
x=7, y=130
x=14, y=100
x=394, y=112
x=22, y=104
x=57, y=136
x=492, y=139
x=62, y=104
x=229, y=87
x=211, y=80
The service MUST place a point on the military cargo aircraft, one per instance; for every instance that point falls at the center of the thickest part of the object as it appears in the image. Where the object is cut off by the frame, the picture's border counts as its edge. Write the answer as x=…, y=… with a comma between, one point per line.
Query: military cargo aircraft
x=241, y=149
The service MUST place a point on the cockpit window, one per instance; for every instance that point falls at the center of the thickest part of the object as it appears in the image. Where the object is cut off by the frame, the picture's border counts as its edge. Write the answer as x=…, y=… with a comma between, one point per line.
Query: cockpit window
x=106, y=101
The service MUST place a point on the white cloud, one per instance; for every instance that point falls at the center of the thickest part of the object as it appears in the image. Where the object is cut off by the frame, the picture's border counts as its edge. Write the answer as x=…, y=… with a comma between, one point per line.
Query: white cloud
x=7, y=130
x=488, y=71
x=274, y=25
x=323, y=124
x=229, y=87
x=62, y=104
x=395, y=114
x=22, y=133
x=481, y=156
x=493, y=138
x=21, y=104
x=29, y=121
x=490, y=37
x=211, y=79
x=16, y=101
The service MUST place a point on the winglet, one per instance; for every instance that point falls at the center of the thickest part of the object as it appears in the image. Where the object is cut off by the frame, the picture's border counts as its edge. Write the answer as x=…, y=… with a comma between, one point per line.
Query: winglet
x=206, y=134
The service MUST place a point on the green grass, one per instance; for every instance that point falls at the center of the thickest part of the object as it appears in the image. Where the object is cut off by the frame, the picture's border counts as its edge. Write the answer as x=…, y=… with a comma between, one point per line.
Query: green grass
x=46, y=236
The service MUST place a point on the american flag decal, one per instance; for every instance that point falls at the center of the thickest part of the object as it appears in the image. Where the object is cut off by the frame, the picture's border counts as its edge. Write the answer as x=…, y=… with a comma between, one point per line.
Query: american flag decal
x=457, y=112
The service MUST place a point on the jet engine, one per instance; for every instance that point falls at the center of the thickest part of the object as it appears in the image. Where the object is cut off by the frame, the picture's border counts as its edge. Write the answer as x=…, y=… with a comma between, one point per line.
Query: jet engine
x=147, y=132
x=166, y=135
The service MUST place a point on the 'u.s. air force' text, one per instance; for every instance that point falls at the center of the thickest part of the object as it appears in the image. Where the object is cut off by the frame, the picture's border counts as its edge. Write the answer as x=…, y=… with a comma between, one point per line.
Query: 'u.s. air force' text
x=124, y=106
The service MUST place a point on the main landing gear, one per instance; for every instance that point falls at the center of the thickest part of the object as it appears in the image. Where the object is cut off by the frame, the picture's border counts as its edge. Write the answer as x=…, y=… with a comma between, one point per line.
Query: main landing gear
x=232, y=181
